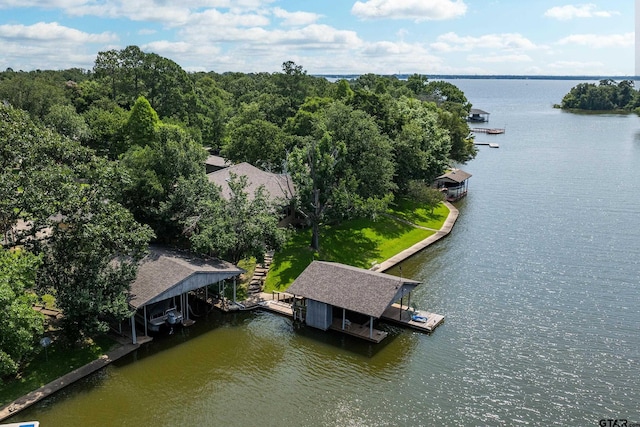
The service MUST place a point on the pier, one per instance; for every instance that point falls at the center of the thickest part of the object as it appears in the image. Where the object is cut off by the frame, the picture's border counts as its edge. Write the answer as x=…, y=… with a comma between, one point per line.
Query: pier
x=490, y=144
x=490, y=131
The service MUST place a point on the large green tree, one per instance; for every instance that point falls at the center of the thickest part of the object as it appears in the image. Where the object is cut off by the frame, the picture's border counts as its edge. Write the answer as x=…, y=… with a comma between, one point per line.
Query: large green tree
x=20, y=325
x=245, y=225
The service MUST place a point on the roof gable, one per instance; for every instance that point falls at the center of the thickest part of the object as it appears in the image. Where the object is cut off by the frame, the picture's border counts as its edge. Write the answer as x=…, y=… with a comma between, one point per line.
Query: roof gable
x=277, y=186
x=352, y=288
x=166, y=273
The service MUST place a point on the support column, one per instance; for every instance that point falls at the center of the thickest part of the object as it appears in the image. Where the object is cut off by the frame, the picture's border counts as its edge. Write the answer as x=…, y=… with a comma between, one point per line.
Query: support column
x=344, y=318
x=234, y=290
x=144, y=309
x=134, y=338
x=371, y=327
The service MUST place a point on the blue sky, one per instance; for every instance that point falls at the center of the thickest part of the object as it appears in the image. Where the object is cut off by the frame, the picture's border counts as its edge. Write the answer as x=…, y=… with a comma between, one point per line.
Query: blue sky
x=541, y=37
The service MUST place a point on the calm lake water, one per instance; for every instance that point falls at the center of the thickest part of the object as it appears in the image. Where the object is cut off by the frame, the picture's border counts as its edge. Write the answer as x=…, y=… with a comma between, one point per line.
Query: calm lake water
x=538, y=282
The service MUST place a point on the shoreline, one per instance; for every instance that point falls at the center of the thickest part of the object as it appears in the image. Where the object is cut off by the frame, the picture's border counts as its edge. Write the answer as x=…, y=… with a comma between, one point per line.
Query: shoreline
x=13, y=408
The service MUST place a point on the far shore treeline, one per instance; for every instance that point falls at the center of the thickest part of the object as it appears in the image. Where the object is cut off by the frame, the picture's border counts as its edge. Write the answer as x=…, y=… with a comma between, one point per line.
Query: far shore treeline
x=96, y=164
x=607, y=95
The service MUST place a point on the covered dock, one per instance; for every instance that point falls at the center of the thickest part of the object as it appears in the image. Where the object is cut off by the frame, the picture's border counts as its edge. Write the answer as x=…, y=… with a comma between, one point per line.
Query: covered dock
x=169, y=275
x=454, y=184
x=347, y=299
x=477, y=115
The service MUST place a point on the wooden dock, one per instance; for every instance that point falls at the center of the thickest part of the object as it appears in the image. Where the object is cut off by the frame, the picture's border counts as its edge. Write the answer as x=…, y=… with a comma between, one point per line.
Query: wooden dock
x=490, y=144
x=490, y=131
x=402, y=316
x=358, y=330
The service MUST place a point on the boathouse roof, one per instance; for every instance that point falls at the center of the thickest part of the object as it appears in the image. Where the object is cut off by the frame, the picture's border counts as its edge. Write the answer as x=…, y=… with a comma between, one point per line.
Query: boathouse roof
x=454, y=175
x=355, y=289
x=478, y=111
x=277, y=186
x=166, y=273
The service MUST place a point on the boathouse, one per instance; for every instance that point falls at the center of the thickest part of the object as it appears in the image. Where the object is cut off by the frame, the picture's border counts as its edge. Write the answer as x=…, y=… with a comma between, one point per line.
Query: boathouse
x=347, y=299
x=454, y=184
x=169, y=275
x=477, y=115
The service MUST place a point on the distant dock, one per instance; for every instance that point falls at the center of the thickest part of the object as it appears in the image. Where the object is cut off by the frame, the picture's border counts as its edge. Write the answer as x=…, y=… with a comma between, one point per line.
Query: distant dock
x=489, y=131
x=490, y=144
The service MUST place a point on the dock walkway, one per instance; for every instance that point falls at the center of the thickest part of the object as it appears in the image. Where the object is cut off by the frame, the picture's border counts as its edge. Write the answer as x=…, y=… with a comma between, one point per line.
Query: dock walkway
x=404, y=317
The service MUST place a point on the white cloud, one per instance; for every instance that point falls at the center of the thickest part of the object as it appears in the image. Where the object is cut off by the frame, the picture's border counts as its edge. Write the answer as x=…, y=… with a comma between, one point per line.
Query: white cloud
x=416, y=10
x=564, y=13
x=51, y=33
x=451, y=42
x=295, y=18
x=599, y=41
x=49, y=46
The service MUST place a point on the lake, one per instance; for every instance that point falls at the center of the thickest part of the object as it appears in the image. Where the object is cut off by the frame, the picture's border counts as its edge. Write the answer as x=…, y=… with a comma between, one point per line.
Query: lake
x=538, y=282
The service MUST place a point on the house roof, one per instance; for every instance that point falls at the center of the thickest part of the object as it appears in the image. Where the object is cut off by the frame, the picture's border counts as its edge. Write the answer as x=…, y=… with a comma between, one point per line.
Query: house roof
x=363, y=291
x=277, y=186
x=166, y=273
x=216, y=161
x=454, y=175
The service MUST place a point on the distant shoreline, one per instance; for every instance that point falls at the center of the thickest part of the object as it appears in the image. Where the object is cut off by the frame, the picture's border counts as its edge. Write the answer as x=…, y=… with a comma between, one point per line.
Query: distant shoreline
x=486, y=77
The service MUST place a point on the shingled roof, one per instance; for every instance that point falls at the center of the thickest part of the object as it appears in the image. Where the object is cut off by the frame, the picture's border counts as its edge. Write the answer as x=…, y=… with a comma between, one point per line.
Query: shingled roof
x=277, y=186
x=362, y=291
x=166, y=273
x=454, y=175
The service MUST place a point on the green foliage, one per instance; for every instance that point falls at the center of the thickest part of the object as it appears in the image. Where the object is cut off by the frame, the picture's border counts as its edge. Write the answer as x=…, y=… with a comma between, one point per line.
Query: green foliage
x=253, y=139
x=154, y=171
x=142, y=123
x=244, y=226
x=66, y=121
x=20, y=325
x=605, y=96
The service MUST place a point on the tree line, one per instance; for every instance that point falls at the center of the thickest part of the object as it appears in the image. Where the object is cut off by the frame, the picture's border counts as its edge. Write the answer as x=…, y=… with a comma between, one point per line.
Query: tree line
x=98, y=163
x=607, y=95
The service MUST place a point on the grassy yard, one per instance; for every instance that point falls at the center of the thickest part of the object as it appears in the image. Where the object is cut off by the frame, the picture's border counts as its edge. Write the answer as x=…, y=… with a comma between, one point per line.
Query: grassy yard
x=56, y=362
x=359, y=242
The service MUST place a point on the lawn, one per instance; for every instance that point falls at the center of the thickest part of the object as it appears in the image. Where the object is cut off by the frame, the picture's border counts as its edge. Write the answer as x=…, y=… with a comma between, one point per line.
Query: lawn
x=360, y=242
x=414, y=213
x=52, y=364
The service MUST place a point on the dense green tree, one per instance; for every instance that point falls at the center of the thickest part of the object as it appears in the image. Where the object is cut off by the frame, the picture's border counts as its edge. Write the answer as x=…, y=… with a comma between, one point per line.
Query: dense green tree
x=605, y=96
x=90, y=261
x=316, y=169
x=142, y=123
x=421, y=147
x=244, y=226
x=66, y=121
x=251, y=138
x=34, y=93
x=107, y=130
x=154, y=170
x=66, y=198
x=20, y=325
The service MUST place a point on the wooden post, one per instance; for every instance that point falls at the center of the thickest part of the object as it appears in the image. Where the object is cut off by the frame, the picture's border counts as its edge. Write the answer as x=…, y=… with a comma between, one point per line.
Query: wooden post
x=344, y=318
x=371, y=327
x=134, y=339
x=144, y=309
x=234, y=290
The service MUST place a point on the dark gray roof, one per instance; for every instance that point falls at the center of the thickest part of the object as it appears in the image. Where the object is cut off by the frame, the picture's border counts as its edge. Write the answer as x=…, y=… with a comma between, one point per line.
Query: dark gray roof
x=217, y=161
x=166, y=273
x=277, y=186
x=454, y=175
x=363, y=291
x=477, y=111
